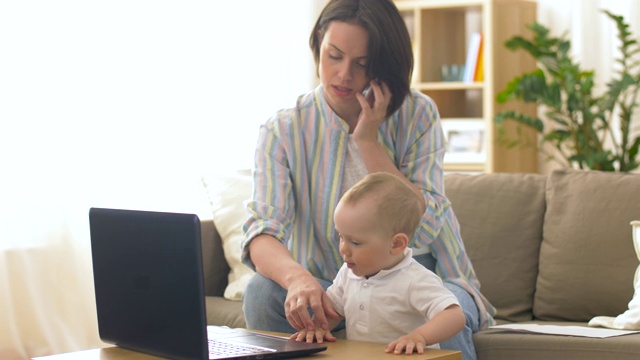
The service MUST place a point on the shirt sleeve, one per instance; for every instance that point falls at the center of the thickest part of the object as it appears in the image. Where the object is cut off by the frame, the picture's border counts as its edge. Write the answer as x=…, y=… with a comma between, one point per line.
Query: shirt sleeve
x=429, y=296
x=420, y=159
x=271, y=208
x=336, y=290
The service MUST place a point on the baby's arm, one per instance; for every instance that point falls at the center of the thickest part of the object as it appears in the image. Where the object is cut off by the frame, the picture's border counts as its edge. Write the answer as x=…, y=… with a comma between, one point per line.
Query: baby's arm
x=318, y=334
x=444, y=325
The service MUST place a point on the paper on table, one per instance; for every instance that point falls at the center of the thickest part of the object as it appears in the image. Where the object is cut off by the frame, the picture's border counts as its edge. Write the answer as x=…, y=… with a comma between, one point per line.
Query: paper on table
x=564, y=330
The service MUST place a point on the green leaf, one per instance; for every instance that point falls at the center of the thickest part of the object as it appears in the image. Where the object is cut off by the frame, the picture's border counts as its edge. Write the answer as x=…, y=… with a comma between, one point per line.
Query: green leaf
x=579, y=120
x=634, y=149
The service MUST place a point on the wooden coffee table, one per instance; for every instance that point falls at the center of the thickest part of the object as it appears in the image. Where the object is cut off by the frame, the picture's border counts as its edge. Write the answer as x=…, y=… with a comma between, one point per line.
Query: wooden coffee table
x=341, y=349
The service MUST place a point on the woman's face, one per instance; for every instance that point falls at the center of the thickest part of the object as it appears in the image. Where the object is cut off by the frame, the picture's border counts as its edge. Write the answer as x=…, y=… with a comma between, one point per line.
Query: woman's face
x=343, y=61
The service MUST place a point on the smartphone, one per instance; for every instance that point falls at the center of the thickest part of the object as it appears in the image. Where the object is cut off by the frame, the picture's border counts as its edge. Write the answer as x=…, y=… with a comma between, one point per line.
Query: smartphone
x=368, y=92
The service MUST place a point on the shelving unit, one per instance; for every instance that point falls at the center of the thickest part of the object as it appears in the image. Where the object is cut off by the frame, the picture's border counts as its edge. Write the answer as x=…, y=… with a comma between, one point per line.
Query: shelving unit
x=441, y=32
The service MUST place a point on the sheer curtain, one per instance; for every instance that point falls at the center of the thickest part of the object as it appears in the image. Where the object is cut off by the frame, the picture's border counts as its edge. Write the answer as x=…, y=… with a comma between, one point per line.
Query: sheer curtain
x=593, y=36
x=122, y=104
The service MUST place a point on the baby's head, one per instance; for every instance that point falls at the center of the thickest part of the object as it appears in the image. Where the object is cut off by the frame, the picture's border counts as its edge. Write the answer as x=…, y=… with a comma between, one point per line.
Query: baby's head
x=376, y=219
x=393, y=206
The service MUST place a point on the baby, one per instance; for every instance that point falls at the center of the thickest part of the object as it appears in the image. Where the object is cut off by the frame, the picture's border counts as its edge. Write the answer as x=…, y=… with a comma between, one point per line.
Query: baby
x=384, y=295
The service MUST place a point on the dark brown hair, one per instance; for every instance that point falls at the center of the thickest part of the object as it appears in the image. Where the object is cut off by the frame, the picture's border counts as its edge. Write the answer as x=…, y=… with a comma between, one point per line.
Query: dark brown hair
x=390, y=55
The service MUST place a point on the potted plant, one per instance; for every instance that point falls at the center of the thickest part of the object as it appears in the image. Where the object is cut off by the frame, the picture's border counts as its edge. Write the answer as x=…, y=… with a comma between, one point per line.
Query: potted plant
x=586, y=131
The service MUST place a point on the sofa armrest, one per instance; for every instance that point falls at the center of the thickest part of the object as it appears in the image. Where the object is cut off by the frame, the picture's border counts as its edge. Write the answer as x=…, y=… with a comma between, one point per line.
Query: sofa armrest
x=214, y=265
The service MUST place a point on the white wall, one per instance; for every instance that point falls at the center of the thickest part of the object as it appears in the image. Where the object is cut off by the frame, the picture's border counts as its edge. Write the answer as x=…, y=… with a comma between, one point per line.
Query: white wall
x=122, y=103
x=116, y=95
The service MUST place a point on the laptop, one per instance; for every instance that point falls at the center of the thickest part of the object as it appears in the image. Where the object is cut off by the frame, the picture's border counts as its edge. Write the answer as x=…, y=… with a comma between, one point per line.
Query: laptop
x=149, y=288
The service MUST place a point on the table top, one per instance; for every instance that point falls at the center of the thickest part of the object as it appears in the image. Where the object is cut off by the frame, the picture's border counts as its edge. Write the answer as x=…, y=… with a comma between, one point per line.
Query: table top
x=341, y=349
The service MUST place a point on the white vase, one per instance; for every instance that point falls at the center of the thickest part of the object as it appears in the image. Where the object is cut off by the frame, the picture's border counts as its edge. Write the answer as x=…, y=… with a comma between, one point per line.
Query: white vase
x=630, y=319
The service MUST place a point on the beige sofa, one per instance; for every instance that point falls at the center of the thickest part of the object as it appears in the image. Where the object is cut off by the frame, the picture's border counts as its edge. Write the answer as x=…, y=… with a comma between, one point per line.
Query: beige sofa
x=547, y=249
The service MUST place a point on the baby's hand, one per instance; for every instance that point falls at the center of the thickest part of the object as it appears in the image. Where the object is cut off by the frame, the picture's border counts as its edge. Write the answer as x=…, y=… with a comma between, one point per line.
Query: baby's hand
x=307, y=335
x=409, y=343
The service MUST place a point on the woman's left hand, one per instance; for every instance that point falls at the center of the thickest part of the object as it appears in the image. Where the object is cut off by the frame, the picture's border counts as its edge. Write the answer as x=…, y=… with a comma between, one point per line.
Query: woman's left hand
x=373, y=114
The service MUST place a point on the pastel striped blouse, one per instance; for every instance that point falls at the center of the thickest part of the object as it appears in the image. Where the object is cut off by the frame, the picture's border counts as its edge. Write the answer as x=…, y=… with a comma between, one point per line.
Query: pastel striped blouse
x=299, y=163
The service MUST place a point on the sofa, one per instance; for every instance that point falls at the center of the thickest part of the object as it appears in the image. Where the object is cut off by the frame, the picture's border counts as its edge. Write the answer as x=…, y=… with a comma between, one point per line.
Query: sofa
x=547, y=249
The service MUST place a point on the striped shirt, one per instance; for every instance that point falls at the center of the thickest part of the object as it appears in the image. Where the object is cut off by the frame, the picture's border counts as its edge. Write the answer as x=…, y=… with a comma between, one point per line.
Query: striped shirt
x=299, y=167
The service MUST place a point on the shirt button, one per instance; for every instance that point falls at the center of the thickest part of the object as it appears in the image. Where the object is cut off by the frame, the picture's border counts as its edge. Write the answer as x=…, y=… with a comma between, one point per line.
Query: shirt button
x=361, y=307
x=365, y=285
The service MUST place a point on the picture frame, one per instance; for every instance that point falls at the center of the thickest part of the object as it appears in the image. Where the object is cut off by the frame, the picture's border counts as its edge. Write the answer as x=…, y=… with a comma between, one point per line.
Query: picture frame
x=465, y=141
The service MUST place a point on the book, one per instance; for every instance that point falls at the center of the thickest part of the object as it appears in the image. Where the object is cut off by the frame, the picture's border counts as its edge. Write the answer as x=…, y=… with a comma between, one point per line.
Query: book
x=478, y=74
x=472, y=57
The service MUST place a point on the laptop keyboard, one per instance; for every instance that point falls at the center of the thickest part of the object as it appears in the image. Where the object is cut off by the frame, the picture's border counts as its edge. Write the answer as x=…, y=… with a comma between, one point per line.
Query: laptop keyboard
x=219, y=348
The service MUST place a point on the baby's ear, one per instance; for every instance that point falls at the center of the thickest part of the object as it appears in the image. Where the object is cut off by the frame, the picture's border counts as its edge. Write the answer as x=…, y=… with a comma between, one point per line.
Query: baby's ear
x=399, y=243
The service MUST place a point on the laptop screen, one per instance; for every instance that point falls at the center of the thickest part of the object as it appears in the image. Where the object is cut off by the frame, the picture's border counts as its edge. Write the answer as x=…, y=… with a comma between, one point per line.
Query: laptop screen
x=148, y=281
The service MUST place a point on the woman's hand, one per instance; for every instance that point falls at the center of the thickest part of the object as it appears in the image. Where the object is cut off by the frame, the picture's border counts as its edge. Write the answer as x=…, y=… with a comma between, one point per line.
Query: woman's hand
x=273, y=260
x=372, y=115
x=319, y=334
x=304, y=293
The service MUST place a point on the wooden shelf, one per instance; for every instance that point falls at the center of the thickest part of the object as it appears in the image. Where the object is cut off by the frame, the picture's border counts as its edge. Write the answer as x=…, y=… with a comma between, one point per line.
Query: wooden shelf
x=441, y=31
x=448, y=85
x=464, y=167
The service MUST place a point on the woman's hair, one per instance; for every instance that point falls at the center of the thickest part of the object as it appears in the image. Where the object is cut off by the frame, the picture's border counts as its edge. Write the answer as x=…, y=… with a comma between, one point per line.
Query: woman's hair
x=397, y=209
x=390, y=54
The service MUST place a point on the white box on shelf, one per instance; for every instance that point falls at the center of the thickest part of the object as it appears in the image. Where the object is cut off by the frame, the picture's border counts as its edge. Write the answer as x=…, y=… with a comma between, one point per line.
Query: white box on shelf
x=465, y=140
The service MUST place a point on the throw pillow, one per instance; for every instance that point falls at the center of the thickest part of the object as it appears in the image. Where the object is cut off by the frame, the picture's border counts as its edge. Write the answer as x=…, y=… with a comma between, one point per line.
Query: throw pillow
x=227, y=193
x=587, y=258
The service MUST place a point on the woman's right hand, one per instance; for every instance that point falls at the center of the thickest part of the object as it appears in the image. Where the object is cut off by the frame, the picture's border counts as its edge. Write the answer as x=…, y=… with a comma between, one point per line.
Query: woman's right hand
x=303, y=293
x=372, y=116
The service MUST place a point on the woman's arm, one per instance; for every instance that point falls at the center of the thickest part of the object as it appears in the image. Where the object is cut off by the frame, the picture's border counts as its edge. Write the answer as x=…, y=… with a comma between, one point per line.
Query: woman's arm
x=365, y=133
x=376, y=160
x=272, y=259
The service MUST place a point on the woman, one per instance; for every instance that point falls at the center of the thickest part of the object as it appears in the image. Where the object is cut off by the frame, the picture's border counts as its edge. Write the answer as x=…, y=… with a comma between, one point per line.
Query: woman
x=309, y=155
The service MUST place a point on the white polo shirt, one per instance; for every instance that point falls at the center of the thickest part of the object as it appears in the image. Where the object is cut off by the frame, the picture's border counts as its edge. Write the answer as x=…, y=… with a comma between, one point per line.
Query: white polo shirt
x=391, y=303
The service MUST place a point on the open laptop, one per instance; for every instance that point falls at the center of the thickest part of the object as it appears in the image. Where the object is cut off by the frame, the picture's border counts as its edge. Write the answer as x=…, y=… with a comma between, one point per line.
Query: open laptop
x=149, y=288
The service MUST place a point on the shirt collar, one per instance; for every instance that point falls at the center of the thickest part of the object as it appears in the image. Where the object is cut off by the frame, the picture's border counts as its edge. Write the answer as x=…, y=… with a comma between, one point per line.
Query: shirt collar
x=330, y=116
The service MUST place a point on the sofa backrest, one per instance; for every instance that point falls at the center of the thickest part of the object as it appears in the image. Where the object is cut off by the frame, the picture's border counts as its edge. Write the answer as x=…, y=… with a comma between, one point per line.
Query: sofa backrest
x=555, y=248
x=501, y=218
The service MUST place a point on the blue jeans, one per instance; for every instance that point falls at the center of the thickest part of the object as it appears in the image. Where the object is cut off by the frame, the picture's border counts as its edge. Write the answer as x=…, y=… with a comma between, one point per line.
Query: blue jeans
x=263, y=305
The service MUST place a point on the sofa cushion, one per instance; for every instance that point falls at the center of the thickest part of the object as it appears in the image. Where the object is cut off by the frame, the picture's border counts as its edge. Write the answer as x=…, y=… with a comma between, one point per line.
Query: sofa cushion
x=505, y=345
x=500, y=218
x=587, y=258
x=227, y=193
x=223, y=312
